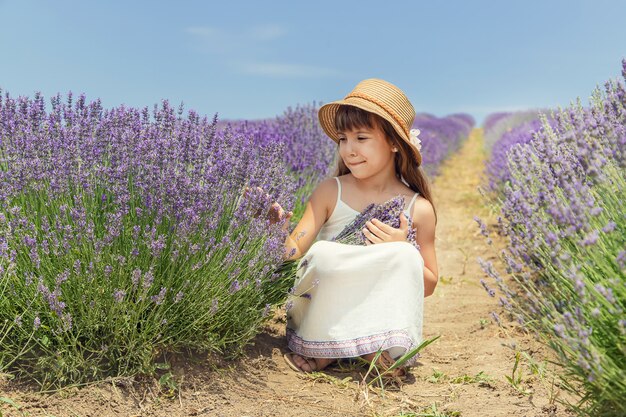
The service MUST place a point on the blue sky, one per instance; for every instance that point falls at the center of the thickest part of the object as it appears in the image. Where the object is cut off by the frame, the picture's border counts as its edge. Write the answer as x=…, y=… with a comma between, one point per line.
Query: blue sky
x=253, y=59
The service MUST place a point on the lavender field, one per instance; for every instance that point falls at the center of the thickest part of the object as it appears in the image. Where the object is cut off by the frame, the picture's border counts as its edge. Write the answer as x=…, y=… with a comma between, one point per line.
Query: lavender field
x=129, y=234
x=558, y=181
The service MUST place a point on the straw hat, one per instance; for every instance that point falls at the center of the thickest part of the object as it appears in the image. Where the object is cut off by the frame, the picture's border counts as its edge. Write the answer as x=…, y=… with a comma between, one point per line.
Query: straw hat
x=382, y=98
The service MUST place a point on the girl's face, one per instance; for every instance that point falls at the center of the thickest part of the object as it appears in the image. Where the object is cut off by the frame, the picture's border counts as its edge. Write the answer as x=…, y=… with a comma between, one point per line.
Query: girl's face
x=365, y=151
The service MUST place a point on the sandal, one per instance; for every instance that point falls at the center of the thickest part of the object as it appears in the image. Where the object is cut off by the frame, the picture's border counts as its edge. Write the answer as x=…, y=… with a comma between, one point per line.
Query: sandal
x=384, y=362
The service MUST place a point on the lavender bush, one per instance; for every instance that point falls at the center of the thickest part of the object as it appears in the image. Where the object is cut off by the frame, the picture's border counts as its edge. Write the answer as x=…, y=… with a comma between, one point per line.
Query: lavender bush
x=499, y=124
x=309, y=155
x=497, y=168
x=124, y=234
x=565, y=220
x=494, y=118
x=441, y=137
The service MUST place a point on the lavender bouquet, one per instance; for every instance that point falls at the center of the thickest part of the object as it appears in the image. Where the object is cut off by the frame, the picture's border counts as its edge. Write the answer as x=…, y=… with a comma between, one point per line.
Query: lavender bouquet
x=387, y=212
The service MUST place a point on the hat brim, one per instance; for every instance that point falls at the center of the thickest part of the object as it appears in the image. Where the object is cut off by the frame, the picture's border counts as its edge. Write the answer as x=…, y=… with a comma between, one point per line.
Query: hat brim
x=327, y=112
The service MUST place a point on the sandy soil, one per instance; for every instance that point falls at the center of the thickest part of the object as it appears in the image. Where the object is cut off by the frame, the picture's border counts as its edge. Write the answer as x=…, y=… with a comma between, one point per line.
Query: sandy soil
x=463, y=373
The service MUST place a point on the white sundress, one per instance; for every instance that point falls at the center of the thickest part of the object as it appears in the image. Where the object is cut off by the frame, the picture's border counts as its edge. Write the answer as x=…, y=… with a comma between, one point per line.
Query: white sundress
x=353, y=300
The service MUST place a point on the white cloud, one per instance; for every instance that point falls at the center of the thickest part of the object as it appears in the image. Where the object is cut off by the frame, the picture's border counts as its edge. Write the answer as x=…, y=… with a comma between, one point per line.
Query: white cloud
x=212, y=40
x=286, y=70
x=254, y=43
x=240, y=41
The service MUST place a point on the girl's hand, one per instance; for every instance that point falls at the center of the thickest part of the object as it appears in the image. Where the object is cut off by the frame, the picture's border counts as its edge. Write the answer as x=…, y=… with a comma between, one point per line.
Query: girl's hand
x=277, y=214
x=378, y=232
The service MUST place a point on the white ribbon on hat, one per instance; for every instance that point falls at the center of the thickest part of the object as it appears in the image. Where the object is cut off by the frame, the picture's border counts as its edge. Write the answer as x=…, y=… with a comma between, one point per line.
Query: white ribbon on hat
x=413, y=133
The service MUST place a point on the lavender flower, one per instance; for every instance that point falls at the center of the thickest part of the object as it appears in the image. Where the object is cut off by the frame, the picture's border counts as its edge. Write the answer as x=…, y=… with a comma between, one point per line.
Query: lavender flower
x=148, y=279
x=118, y=295
x=590, y=239
x=160, y=297
x=266, y=310
x=490, y=291
x=136, y=277
x=621, y=259
x=559, y=330
x=495, y=317
x=234, y=287
x=482, y=226
x=157, y=246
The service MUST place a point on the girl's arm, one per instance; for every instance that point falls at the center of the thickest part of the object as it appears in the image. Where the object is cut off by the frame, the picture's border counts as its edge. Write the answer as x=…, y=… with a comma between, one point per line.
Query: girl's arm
x=424, y=220
x=315, y=215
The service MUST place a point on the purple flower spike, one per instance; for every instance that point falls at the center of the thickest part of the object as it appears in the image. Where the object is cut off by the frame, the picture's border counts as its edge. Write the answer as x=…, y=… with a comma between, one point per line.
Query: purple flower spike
x=119, y=295
x=158, y=299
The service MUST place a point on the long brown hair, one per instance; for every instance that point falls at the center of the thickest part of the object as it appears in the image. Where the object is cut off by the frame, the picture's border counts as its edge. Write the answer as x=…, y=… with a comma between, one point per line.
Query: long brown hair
x=350, y=118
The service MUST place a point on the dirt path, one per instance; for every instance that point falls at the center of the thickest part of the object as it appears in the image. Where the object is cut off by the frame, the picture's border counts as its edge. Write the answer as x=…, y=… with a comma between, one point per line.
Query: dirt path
x=462, y=374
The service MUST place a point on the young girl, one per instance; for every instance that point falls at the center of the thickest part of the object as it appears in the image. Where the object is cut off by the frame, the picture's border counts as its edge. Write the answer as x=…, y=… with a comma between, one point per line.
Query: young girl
x=356, y=300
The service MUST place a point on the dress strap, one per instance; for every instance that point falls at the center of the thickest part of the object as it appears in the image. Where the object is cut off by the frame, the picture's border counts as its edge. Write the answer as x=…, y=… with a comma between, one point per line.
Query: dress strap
x=338, y=189
x=411, y=203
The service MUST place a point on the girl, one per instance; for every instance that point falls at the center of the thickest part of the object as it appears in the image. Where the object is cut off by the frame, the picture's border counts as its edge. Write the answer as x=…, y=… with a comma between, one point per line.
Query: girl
x=356, y=300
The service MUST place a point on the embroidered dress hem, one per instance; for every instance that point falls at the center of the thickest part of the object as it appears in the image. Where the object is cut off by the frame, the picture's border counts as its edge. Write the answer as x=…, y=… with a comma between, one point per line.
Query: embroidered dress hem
x=397, y=340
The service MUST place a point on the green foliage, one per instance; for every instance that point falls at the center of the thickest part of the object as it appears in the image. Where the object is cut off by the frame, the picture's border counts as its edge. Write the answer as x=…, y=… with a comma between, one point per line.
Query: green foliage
x=484, y=322
x=516, y=377
x=480, y=378
x=11, y=403
x=432, y=411
x=381, y=375
x=437, y=376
